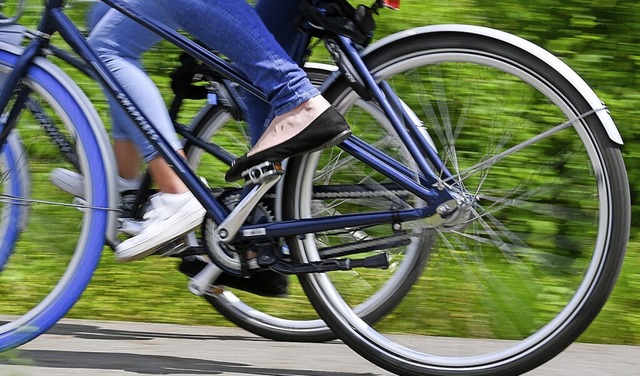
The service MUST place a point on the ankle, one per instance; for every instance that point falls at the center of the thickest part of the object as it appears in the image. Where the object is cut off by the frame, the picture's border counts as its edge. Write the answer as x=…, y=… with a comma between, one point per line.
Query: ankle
x=317, y=104
x=305, y=113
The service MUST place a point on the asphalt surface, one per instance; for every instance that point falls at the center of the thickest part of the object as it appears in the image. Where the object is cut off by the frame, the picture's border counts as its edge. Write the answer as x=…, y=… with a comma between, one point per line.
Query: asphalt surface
x=79, y=347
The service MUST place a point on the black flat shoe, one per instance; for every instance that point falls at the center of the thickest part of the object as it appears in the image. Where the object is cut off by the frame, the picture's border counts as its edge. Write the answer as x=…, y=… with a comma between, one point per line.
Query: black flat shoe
x=264, y=283
x=328, y=129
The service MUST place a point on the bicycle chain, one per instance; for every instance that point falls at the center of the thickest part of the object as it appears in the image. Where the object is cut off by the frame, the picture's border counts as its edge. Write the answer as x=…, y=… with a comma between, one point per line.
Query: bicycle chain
x=264, y=210
x=325, y=195
x=356, y=247
x=352, y=194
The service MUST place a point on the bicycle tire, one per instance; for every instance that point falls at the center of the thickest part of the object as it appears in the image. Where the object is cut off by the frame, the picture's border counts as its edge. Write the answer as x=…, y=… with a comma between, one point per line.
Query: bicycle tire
x=541, y=250
x=57, y=245
x=12, y=215
x=251, y=312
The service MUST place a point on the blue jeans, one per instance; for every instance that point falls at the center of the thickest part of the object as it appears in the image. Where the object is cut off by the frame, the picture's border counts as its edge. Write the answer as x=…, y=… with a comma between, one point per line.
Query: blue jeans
x=278, y=16
x=231, y=27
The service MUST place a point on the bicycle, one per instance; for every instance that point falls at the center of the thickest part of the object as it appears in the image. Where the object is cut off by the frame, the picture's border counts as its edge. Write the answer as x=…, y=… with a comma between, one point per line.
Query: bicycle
x=209, y=122
x=533, y=252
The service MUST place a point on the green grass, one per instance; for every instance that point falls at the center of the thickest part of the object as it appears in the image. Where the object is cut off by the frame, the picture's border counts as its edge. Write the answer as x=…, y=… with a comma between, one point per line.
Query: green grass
x=152, y=290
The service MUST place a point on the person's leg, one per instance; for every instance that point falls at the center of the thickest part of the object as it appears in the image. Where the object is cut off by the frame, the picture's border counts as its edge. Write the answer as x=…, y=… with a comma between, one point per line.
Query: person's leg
x=279, y=20
x=127, y=159
x=165, y=177
x=125, y=150
x=284, y=83
x=278, y=16
x=112, y=39
x=239, y=34
x=175, y=210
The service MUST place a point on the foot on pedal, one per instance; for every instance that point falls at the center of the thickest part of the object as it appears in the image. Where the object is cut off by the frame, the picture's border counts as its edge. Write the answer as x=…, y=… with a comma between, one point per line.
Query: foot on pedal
x=328, y=129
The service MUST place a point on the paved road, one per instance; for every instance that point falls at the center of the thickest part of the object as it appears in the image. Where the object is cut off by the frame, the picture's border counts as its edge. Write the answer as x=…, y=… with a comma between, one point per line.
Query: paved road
x=88, y=348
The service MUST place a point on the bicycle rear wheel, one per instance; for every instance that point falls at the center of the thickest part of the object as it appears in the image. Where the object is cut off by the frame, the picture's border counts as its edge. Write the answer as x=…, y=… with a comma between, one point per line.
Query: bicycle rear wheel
x=50, y=247
x=533, y=264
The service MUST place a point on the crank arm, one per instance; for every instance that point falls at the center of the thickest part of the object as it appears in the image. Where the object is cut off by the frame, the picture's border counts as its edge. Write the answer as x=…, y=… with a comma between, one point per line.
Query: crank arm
x=265, y=176
x=202, y=283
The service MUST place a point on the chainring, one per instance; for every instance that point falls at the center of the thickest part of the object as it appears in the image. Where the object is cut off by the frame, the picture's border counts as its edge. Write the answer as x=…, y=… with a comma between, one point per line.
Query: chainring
x=226, y=256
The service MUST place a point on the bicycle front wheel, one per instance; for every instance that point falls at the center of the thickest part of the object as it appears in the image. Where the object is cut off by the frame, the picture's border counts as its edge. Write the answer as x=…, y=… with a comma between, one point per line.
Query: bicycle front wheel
x=50, y=245
x=540, y=249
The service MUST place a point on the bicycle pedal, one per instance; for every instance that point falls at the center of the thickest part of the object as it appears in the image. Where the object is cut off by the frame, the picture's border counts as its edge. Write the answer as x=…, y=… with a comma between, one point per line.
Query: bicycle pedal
x=265, y=171
x=202, y=283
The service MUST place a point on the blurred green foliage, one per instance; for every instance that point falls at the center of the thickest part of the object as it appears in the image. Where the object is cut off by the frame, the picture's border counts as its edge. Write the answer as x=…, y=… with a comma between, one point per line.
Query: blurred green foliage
x=599, y=39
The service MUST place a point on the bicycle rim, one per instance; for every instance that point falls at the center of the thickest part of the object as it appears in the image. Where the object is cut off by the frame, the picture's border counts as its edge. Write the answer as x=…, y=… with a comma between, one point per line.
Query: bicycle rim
x=51, y=245
x=525, y=274
x=12, y=214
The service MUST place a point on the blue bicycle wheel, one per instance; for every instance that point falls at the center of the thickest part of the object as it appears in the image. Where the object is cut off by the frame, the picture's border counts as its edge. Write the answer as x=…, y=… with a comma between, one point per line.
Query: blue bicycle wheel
x=50, y=244
x=12, y=213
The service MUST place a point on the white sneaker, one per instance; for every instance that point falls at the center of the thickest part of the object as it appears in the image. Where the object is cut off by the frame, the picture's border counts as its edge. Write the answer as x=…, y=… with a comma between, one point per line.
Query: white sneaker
x=71, y=182
x=168, y=217
x=130, y=226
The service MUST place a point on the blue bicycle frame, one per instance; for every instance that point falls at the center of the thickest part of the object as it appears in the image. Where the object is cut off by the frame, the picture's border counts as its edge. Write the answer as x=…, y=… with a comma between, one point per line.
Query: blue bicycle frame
x=428, y=186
